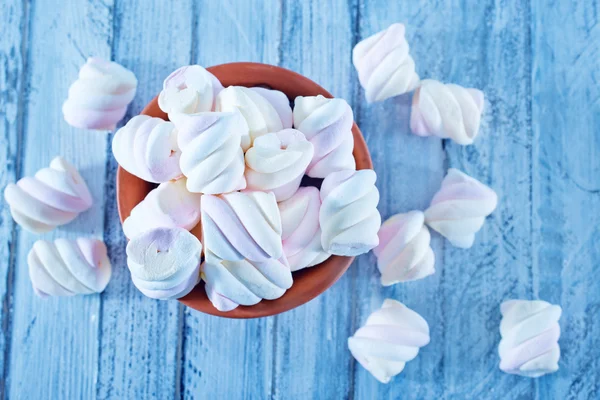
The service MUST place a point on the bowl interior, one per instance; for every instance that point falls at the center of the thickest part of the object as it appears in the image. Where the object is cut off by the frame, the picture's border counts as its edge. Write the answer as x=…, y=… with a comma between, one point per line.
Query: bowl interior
x=309, y=282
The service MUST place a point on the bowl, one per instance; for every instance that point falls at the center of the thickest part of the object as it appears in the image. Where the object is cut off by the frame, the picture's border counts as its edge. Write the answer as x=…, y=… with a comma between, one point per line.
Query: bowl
x=309, y=282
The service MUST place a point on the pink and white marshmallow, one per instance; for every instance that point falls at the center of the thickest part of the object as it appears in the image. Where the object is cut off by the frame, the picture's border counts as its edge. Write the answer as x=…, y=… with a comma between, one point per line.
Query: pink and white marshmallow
x=265, y=110
x=188, y=90
x=244, y=260
x=404, y=252
x=98, y=99
x=68, y=267
x=277, y=162
x=169, y=205
x=390, y=338
x=447, y=111
x=164, y=262
x=327, y=124
x=530, y=333
x=348, y=216
x=147, y=148
x=458, y=210
x=54, y=196
x=301, y=233
x=211, y=158
x=384, y=65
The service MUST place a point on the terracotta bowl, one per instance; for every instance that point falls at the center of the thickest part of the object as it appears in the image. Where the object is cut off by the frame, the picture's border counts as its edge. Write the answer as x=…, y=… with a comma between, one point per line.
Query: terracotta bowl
x=308, y=283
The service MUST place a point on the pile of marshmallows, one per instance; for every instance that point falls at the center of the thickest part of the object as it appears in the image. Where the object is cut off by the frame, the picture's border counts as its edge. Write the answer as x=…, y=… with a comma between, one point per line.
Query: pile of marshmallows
x=233, y=159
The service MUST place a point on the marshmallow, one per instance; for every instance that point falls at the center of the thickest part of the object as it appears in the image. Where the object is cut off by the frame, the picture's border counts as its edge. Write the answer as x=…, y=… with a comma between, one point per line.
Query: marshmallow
x=147, y=148
x=68, y=267
x=277, y=162
x=404, y=252
x=348, y=216
x=98, y=99
x=265, y=110
x=384, y=65
x=530, y=332
x=244, y=259
x=164, y=262
x=301, y=233
x=190, y=89
x=327, y=124
x=170, y=205
x=211, y=158
x=458, y=210
x=391, y=336
x=447, y=111
x=53, y=197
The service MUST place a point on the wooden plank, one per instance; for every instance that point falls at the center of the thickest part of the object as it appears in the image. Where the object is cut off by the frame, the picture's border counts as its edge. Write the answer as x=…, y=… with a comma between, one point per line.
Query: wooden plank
x=566, y=191
x=141, y=337
x=12, y=81
x=222, y=358
x=54, y=343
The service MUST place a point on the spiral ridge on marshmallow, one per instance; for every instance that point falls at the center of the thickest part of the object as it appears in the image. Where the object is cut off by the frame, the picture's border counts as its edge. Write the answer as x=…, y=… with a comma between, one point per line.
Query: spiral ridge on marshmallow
x=147, y=148
x=459, y=208
x=530, y=333
x=390, y=338
x=98, y=99
x=327, y=124
x=384, y=65
x=447, y=111
x=54, y=196
x=68, y=267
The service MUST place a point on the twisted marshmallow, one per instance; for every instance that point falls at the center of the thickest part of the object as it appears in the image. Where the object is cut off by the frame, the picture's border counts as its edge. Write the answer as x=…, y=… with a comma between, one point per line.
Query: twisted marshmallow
x=458, y=210
x=244, y=260
x=301, y=233
x=348, y=216
x=53, y=197
x=390, y=338
x=68, y=267
x=327, y=124
x=404, y=253
x=211, y=158
x=277, y=162
x=530, y=332
x=147, y=148
x=265, y=110
x=190, y=89
x=384, y=65
x=98, y=99
x=170, y=205
x=164, y=262
x=447, y=111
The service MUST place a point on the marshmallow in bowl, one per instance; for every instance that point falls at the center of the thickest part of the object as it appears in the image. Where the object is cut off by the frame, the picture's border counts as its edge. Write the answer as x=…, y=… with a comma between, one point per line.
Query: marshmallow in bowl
x=164, y=262
x=265, y=110
x=348, y=216
x=327, y=124
x=98, y=99
x=147, y=148
x=277, y=161
x=447, y=111
x=530, y=333
x=404, y=252
x=68, y=267
x=384, y=65
x=211, y=158
x=459, y=208
x=301, y=233
x=169, y=205
x=53, y=197
x=390, y=338
x=189, y=89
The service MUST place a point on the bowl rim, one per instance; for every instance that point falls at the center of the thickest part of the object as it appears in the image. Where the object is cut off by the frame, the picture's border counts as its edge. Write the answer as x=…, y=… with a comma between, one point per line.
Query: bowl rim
x=331, y=269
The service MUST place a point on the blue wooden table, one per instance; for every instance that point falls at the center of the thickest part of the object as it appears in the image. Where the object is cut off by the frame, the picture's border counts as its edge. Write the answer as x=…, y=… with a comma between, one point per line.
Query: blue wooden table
x=537, y=62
